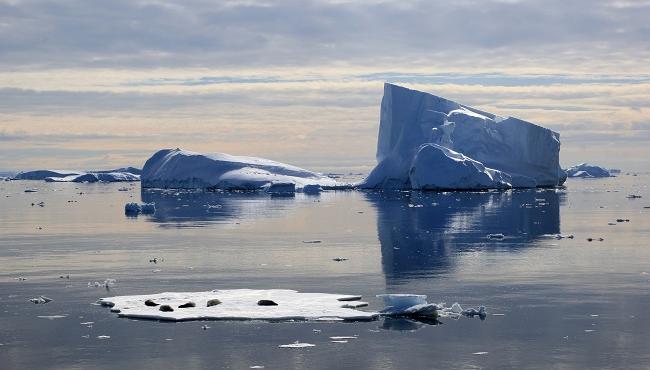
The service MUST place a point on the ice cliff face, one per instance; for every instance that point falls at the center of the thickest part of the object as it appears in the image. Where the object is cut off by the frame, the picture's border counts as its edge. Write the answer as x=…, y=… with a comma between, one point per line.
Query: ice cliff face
x=511, y=152
x=176, y=168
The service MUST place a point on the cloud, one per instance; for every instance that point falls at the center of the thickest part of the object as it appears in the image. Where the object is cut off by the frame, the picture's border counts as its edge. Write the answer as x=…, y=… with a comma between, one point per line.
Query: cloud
x=125, y=33
x=301, y=80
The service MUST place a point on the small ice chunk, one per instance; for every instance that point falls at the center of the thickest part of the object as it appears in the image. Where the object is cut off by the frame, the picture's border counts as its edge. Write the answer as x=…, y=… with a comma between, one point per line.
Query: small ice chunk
x=312, y=189
x=53, y=317
x=456, y=308
x=282, y=188
x=401, y=301
x=41, y=300
x=148, y=208
x=132, y=209
x=471, y=312
x=297, y=344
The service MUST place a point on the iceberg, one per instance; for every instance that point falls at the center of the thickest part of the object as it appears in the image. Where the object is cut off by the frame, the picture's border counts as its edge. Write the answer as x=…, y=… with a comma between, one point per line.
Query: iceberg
x=43, y=174
x=97, y=177
x=117, y=175
x=585, y=170
x=240, y=304
x=181, y=169
x=428, y=142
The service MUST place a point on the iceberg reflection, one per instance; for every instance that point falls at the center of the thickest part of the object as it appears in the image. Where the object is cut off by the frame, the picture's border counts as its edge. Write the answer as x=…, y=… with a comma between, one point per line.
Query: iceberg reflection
x=421, y=232
x=192, y=208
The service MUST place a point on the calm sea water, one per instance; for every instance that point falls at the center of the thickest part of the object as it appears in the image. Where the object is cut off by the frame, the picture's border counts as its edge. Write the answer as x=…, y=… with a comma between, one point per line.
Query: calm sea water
x=562, y=304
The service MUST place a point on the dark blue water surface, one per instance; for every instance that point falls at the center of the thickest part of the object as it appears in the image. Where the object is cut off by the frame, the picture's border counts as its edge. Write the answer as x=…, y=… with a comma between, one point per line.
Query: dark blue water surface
x=552, y=303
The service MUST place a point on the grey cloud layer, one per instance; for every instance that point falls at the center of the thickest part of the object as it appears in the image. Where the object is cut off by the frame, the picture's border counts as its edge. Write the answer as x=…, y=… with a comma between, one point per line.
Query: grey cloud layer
x=205, y=33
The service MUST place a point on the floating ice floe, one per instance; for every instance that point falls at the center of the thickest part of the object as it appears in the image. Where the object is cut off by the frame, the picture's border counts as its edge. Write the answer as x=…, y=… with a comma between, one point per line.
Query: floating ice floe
x=428, y=142
x=585, y=170
x=240, y=304
x=180, y=169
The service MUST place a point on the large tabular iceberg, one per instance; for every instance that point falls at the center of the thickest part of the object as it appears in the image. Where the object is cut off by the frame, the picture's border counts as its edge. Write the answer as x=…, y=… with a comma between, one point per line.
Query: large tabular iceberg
x=427, y=142
x=176, y=168
x=585, y=170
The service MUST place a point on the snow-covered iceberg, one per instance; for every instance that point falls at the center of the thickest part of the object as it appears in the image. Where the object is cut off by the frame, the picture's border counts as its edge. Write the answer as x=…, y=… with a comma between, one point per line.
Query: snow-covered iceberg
x=428, y=142
x=240, y=304
x=117, y=175
x=43, y=174
x=96, y=177
x=181, y=169
x=585, y=170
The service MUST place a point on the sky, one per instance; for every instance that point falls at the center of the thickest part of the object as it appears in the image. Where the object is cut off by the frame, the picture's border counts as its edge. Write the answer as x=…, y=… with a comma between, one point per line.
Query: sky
x=95, y=84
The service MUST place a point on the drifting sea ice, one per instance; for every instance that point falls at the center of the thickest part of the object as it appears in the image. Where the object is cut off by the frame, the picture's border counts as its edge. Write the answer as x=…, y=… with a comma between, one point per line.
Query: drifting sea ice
x=240, y=304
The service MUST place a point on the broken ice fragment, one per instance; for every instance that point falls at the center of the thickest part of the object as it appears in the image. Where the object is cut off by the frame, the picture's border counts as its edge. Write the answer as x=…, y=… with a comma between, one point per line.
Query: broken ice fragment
x=297, y=344
x=40, y=300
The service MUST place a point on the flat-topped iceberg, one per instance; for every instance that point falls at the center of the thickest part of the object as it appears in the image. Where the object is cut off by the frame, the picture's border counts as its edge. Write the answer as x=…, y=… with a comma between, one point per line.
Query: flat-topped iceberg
x=240, y=304
x=117, y=175
x=181, y=169
x=585, y=170
x=428, y=142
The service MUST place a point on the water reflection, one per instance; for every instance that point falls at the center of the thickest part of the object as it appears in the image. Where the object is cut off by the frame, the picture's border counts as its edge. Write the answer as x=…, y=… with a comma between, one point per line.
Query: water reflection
x=422, y=232
x=187, y=208
x=407, y=324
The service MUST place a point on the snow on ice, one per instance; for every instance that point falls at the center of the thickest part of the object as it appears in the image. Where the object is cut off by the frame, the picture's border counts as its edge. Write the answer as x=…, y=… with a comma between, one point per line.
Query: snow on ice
x=240, y=304
x=176, y=168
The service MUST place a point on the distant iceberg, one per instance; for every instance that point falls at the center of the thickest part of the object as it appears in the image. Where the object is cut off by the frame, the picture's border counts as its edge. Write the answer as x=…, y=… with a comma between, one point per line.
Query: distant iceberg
x=428, y=142
x=585, y=170
x=117, y=175
x=181, y=169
